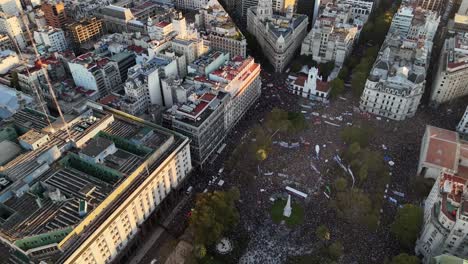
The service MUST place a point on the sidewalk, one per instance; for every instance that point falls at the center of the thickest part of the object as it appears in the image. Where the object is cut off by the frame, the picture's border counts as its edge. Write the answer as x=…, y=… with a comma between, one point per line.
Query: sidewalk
x=157, y=233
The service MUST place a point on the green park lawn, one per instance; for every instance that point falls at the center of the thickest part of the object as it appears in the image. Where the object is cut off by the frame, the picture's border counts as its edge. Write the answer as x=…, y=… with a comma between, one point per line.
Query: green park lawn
x=297, y=213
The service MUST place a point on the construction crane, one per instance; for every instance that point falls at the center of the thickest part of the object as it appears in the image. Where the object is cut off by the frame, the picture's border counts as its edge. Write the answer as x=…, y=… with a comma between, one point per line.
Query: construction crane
x=46, y=75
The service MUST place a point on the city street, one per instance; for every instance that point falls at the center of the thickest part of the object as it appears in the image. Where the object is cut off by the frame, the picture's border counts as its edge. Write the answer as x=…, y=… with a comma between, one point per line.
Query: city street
x=272, y=243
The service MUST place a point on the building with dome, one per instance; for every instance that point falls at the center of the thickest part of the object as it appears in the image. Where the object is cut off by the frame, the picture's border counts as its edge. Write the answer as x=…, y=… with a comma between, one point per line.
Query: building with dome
x=278, y=36
x=396, y=82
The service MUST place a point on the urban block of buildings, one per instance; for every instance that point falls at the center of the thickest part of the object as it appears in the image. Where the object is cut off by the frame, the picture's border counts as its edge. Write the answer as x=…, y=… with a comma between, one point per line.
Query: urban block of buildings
x=279, y=36
x=333, y=36
x=220, y=31
x=397, y=79
x=444, y=158
x=450, y=80
x=83, y=192
x=215, y=95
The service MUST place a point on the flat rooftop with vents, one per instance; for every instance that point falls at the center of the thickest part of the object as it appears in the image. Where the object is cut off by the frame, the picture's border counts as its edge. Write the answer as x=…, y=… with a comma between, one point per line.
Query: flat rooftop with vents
x=57, y=184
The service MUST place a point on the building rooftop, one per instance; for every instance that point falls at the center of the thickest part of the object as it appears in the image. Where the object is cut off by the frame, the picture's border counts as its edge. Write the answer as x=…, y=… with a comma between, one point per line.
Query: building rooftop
x=49, y=184
x=96, y=146
x=442, y=148
x=32, y=136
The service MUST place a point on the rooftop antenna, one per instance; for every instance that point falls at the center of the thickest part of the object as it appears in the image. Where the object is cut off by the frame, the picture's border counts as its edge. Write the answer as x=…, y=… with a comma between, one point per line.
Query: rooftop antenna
x=46, y=75
x=36, y=90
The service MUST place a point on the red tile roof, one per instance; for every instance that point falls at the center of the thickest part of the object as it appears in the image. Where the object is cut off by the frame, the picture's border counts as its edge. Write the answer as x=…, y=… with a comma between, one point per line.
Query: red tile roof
x=163, y=24
x=442, y=147
x=322, y=86
x=207, y=97
x=300, y=81
x=108, y=99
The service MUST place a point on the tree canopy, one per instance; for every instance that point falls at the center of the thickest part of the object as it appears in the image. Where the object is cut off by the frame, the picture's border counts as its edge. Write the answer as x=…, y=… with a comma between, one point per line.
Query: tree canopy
x=355, y=134
x=337, y=87
x=215, y=213
x=283, y=121
x=407, y=224
x=322, y=232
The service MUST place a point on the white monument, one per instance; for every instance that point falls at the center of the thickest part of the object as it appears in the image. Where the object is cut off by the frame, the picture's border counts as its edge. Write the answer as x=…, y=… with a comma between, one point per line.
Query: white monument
x=287, y=208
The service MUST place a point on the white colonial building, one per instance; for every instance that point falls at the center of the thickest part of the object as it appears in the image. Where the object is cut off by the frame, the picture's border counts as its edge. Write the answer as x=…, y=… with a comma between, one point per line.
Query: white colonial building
x=311, y=86
x=451, y=78
x=396, y=82
x=278, y=36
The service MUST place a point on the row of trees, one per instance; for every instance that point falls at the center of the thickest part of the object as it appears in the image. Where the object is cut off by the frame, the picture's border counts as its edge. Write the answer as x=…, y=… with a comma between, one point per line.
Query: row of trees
x=370, y=173
x=371, y=38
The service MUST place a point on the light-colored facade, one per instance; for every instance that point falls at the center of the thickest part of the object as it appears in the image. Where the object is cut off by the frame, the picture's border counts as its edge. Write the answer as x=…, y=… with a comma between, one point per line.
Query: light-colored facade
x=52, y=38
x=221, y=32
x=397, y=80
x=11, y=26
x=86, y=30
x=415, y=23
x=451, y=77
x=143, y=86
x=95, y=73
x=433, y=5
x=90, y=215
x=444, y=157
x=278, y=36
x=10, y=7
x=310, y=86
x=8, y=60
x=190, y=4
x=281, y=6
x=393, y=88
x=207, y=106
x=332, y=37
x=5, y=43
x=462, y=127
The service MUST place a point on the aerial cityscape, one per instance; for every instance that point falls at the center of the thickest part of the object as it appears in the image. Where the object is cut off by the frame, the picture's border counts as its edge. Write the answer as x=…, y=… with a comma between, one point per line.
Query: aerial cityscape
x=234, y=131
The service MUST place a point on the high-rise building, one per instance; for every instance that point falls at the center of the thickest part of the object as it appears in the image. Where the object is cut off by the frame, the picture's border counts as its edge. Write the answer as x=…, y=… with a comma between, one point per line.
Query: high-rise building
x=11, y=26
x=415, y=23
x=211, y=101
x=54, y=13
x=279, y=36
x=397, y=80
x=451, y=77
x=444, y=158
x=52, y=38
x=143, y=85
x=86, y=30
x=433, y=5
x=95, y=73
x=10, y=7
